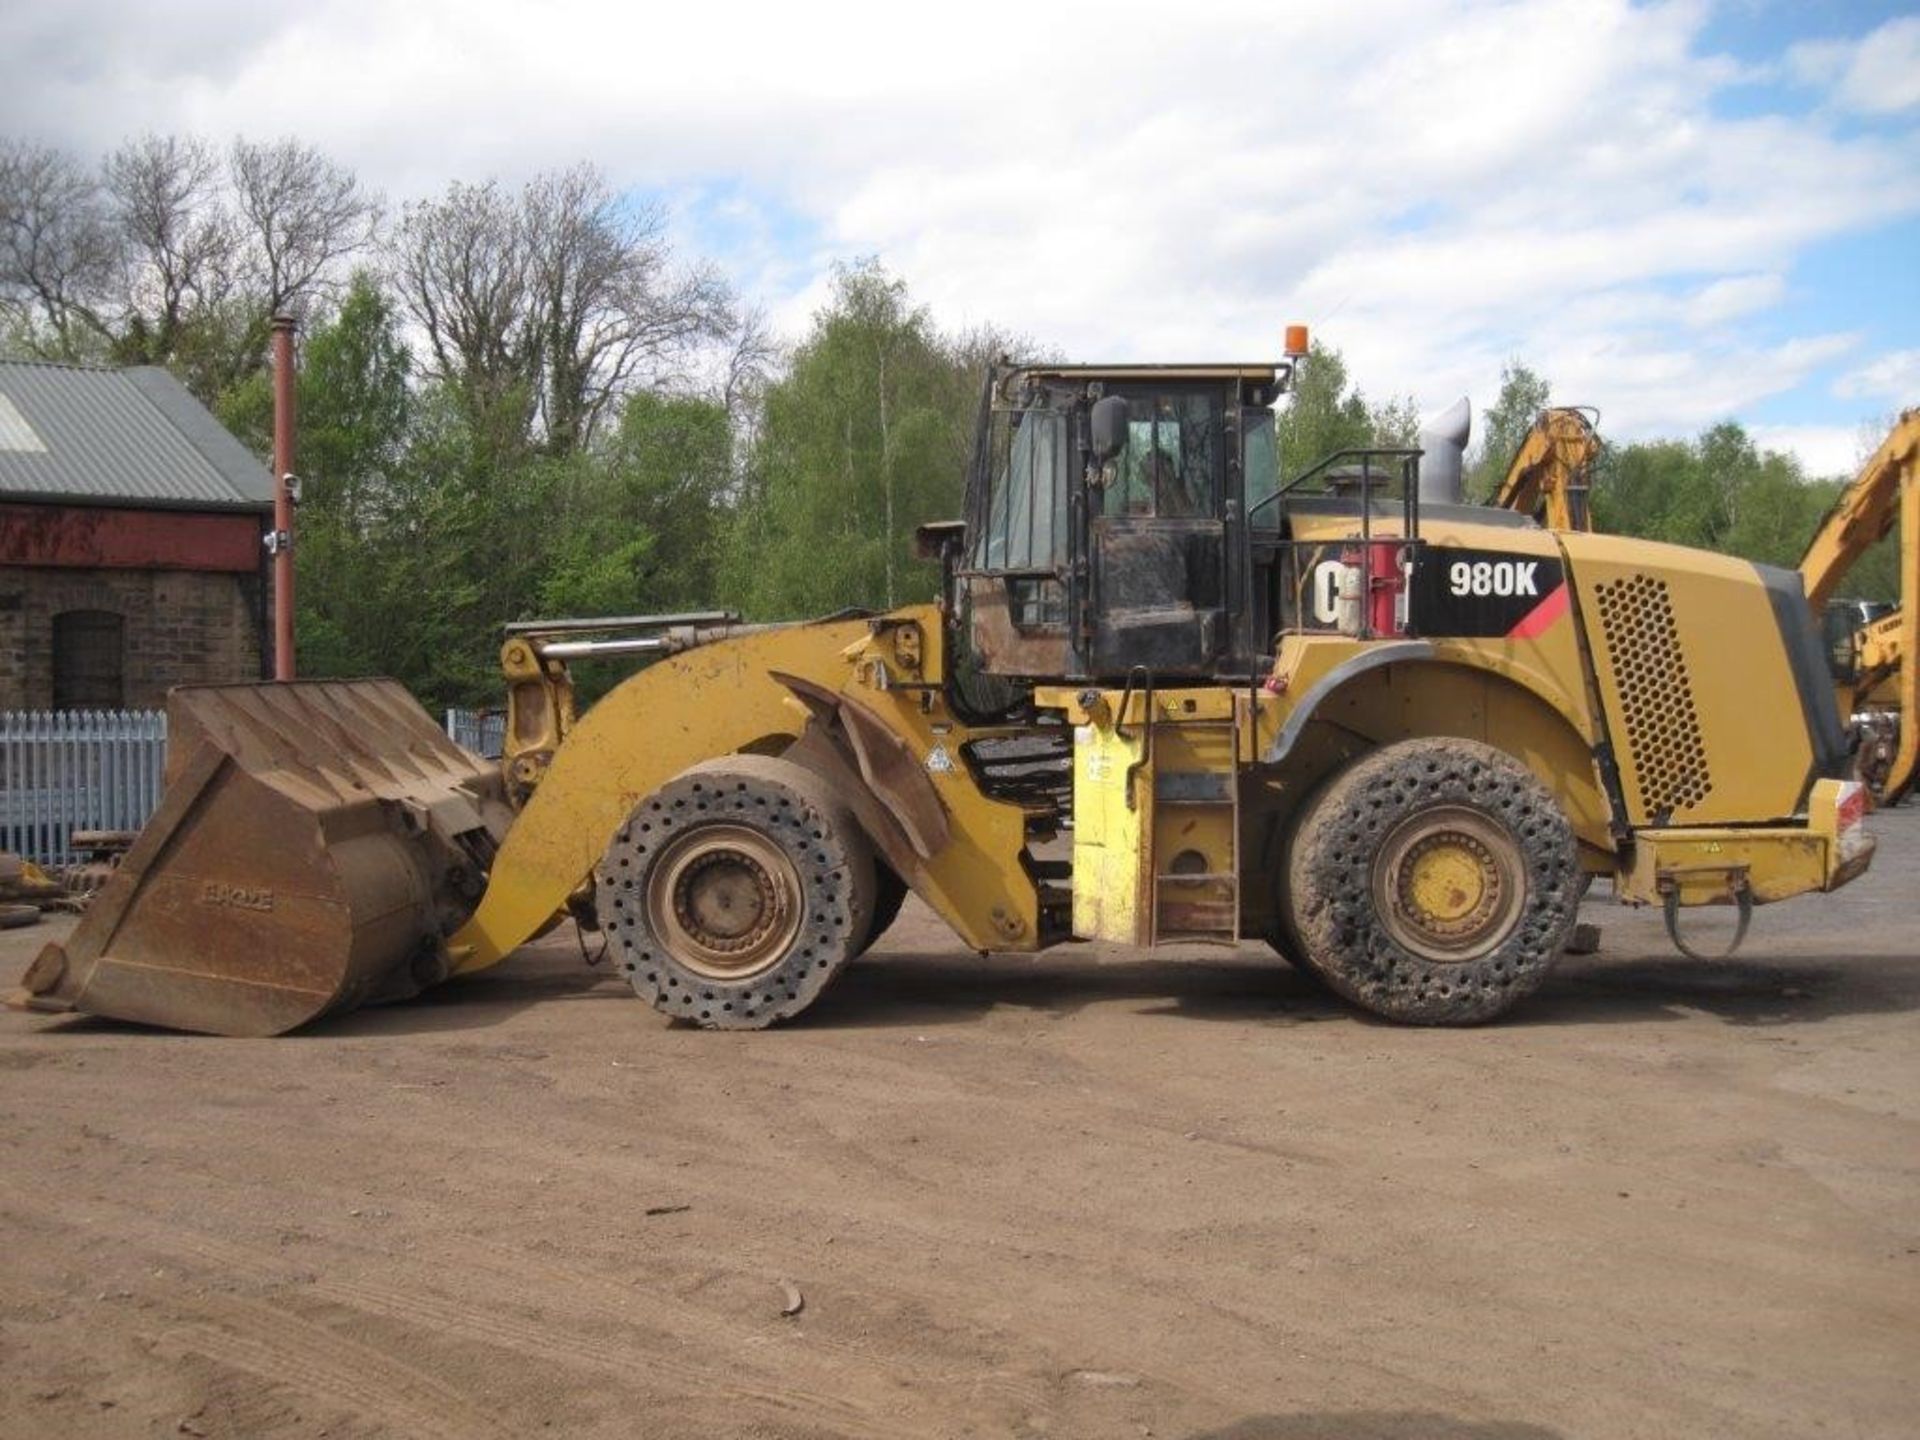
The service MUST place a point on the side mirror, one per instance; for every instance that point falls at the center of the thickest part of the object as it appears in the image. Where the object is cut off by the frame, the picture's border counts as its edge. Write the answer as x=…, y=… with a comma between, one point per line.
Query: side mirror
x=1109, y=427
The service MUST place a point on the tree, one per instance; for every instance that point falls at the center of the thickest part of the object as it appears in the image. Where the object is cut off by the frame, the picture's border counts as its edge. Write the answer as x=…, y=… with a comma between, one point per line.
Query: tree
x=168, y=256
x=355, y=411
x=611, y=307
x=1719, y=491
x=865, y=438
x=545, y=309
x=1504, y=426
x=641, y=534
x=59, y=255
x=462, y=273
x=1325, y=415
x=302, y=216
x=179, y=240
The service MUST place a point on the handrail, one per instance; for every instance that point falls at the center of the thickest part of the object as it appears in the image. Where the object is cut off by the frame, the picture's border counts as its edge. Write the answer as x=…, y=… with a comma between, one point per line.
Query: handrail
x=1366, y=453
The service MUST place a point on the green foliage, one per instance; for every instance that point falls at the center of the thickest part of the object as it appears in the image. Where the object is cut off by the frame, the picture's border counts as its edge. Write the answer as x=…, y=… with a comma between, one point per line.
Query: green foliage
x=865, y=438
x=638, y=519
x=421, y=533
x=1716, y=492
x=1326, y=414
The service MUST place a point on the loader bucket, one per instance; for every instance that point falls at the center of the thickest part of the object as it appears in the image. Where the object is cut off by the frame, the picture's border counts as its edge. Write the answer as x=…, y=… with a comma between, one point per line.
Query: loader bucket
x=317, y=842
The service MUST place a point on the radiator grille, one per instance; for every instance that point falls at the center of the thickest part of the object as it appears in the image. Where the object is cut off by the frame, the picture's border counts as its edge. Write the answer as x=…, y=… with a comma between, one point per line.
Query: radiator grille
x=1656, y=695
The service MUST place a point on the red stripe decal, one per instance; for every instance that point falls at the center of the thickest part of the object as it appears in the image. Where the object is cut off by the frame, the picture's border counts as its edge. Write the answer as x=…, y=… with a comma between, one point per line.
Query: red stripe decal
x=1542, y=615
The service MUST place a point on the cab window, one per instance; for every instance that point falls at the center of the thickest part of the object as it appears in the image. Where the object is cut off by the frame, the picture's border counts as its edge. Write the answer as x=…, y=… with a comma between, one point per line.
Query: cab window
x=1170, y=467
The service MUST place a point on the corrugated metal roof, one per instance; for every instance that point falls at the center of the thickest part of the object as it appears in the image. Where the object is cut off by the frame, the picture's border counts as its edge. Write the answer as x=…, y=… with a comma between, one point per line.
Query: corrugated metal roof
x=87, y=435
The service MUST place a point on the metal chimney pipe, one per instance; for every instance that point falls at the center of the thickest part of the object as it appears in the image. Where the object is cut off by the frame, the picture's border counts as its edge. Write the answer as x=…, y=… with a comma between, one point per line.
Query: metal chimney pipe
x=280, y=543
x=1443, y=454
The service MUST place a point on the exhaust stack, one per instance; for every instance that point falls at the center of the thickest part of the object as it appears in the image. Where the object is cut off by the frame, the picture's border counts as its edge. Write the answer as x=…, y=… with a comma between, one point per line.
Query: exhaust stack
x=1443, y=454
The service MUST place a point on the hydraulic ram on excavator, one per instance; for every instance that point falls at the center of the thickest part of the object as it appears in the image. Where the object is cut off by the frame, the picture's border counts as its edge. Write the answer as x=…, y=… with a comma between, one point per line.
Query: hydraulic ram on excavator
x=1165, y=697
x=1877, y=667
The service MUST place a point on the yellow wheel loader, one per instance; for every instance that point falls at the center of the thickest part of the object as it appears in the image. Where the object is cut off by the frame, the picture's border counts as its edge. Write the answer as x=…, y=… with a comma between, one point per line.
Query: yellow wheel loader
x=1164, y=699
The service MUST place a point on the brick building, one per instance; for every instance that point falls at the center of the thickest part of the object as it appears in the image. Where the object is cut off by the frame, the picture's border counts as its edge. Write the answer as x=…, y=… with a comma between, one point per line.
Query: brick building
x=131, y=525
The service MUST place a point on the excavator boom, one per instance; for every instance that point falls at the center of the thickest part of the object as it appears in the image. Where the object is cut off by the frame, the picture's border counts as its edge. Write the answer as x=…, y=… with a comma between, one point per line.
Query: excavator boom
x=1885, y=495
x=1550, y=475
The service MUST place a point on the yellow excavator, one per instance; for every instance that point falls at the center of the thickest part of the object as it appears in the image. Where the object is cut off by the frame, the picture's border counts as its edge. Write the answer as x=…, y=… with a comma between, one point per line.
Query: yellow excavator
x=1165, y=698
x=1872, y=649
x=1551, y=475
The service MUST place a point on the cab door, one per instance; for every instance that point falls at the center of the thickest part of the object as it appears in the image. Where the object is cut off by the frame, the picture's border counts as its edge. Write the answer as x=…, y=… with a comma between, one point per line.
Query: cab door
x=1157, y=537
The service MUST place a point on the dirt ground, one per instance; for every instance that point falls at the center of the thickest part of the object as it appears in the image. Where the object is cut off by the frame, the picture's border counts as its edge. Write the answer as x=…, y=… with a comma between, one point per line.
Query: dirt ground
x=1089, y=1194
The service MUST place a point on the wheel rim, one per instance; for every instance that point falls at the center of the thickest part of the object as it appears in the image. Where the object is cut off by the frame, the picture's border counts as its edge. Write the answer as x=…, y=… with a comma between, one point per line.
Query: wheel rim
x=1449, y=883
x=726, y=901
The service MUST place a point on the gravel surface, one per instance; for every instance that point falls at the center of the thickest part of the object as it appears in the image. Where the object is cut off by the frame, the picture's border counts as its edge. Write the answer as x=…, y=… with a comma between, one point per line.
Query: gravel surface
x=1089, y=1194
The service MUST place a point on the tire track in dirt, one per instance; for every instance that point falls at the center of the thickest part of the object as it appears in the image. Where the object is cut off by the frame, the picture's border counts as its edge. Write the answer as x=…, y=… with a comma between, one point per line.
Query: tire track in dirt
x=647, y=1363
x=279, y=1347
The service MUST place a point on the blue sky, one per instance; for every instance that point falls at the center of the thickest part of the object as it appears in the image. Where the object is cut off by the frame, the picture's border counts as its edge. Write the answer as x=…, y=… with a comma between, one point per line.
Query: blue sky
x=1865, y=282
x=1680, y=212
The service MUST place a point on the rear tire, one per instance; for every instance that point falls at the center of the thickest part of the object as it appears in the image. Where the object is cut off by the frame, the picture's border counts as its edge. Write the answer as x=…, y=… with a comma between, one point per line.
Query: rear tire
x=1434, y=882
x=736, y=892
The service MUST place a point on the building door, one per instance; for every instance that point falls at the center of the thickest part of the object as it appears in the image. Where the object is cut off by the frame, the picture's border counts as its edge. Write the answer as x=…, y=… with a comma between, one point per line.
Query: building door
x=89, y=660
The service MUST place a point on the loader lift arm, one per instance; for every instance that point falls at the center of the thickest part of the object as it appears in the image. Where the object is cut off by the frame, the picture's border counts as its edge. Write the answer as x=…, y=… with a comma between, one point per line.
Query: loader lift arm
x=1885, y=494
x=1550, y=476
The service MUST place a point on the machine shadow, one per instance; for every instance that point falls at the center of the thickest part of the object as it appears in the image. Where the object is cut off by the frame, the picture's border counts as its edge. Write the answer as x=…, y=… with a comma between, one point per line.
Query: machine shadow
x=1783, y=989
x=909, y=989
x=530, y=979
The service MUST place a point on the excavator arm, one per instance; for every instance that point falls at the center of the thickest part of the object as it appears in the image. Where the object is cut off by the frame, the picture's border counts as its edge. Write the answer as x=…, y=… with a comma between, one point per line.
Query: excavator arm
x=1550, y=476
x=1885, y=494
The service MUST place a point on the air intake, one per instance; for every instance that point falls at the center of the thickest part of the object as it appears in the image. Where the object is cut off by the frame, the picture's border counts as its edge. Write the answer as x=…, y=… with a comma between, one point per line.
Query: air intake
x=1669, y=758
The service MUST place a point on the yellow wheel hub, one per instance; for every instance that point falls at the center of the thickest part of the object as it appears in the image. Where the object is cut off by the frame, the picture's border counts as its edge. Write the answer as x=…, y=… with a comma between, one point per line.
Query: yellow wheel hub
x=1447, y=879
x=1448, y=883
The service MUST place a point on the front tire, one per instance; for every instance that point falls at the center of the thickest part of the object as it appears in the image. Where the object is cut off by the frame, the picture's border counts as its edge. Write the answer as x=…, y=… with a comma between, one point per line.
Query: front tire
x=736, y=892
x=1434, y=882
x=890, y=893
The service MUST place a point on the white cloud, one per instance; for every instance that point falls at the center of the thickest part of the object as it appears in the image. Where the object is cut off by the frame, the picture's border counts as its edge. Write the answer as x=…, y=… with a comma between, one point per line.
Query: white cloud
x=1824, y=451
x=1878, y=74
x=1436, y=187
x=1733, y=297
x=1893, y=376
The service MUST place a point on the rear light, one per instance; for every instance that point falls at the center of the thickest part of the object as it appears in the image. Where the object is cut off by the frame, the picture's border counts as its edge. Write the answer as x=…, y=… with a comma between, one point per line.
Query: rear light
x=1850, y=820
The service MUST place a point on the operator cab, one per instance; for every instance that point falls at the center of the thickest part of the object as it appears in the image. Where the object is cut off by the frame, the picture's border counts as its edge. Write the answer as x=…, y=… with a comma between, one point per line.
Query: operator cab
x=1105, y=523
x=1129, y=521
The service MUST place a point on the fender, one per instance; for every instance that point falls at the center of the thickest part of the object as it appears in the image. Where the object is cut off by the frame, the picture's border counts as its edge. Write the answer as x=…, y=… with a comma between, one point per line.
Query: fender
x=889, y=769
x=1397, y=652
x=1596, y=818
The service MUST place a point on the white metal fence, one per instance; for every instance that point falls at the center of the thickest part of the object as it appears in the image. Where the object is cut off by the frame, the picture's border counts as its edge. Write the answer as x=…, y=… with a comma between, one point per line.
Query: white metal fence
x=482, y=731
x=68, y=770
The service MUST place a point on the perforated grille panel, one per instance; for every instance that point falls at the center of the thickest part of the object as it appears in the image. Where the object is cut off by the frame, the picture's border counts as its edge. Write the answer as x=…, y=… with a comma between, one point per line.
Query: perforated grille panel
x=1656, y=696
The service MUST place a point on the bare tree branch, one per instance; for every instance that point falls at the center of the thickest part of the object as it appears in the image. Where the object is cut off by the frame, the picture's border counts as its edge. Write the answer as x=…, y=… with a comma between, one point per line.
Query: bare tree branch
x=566, y=298
x=461, y=269
x=58, y=255
x=302, y=216
x=612, y=309
x=180, y=238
